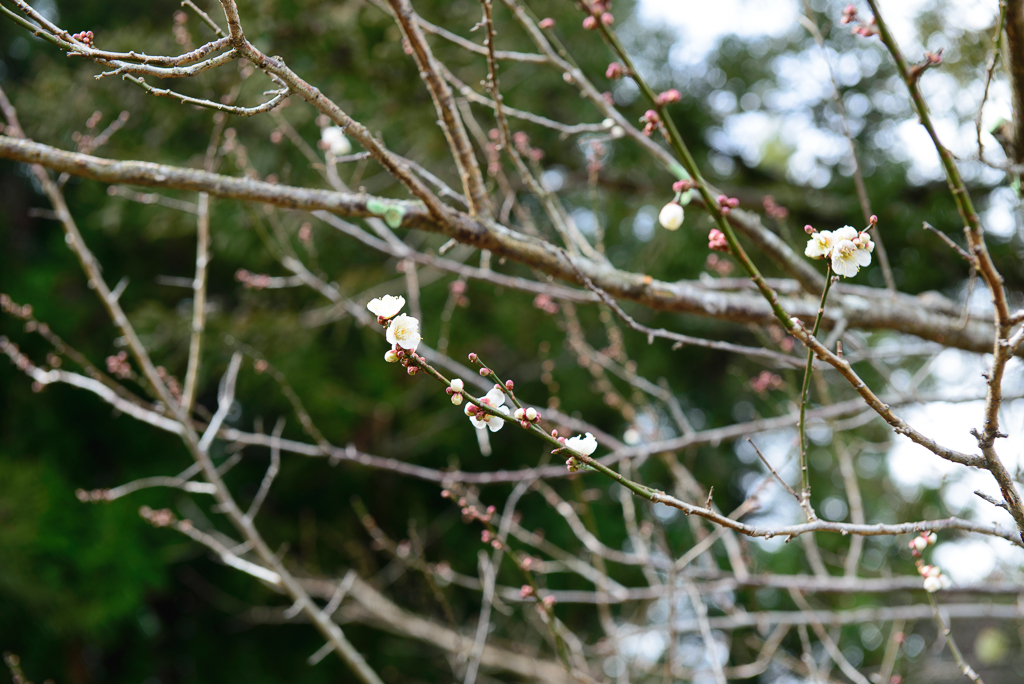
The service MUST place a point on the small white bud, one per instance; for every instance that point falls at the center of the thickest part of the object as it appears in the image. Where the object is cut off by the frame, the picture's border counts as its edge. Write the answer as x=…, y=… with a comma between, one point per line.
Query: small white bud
x=919, y=543
x=607, y=123
x=520, y=414
x=932, y=538
x=671, y=216
x=932, y=584
x=618, y=132
x=457, y=385
x=334, y=140
x=457, y=398
x=531, y=414
x=390, y=356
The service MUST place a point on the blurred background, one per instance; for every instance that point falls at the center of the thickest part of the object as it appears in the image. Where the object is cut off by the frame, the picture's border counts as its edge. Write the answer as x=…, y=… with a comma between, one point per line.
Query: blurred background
x=91, y=593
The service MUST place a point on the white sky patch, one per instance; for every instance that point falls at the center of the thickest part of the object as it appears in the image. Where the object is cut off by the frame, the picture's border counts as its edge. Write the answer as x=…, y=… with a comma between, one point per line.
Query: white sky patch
x=702, y=25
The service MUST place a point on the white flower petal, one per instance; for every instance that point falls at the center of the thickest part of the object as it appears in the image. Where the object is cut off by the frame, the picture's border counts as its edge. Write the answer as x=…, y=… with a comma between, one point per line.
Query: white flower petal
x=386, y=306
x=845, y=233
x=583, y=444
x=495, y=397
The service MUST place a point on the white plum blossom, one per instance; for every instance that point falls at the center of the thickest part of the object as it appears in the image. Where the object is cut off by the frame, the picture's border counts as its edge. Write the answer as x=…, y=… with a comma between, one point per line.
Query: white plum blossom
x=820, y=244
x=335, y=141
x=919, y=543
x=494, y=399
x=847, y=258
x=671, y=216
x=386, y=306
x=585, y=445
x=404, y=331
x=847, y=249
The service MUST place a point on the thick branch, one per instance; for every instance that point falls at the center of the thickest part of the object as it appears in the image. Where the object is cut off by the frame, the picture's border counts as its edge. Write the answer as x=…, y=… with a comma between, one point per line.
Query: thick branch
x=1014, y=61
x=862, y=309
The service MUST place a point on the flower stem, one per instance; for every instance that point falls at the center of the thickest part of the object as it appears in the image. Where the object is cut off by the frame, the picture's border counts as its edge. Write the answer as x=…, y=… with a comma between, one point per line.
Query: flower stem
x=805, y=494
x=953, y=648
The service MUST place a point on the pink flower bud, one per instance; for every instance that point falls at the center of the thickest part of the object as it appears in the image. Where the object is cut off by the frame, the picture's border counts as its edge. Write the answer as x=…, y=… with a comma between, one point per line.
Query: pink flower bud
x=554, y=433
x=809, y=229
x=614, y=71
x=717, y=241
x=413, y=370
x=607, y=19
x=668, y=97
x=472, y=357
x=873, y=220
x=590, y=23
x=509, y=385
x=681, y=185
x=546, y=23
x=485, y=536
x=485, y=372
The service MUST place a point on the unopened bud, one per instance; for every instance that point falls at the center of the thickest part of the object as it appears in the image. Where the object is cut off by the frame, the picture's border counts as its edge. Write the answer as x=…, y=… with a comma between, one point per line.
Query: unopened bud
x=457, y=398
x=485, y=371
x=809, y=229
x=390, y=356
x=413, y=370
x=509, y=385
x=472, y=357
x=668, y=97
x=590, y=23
x=607, y=19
